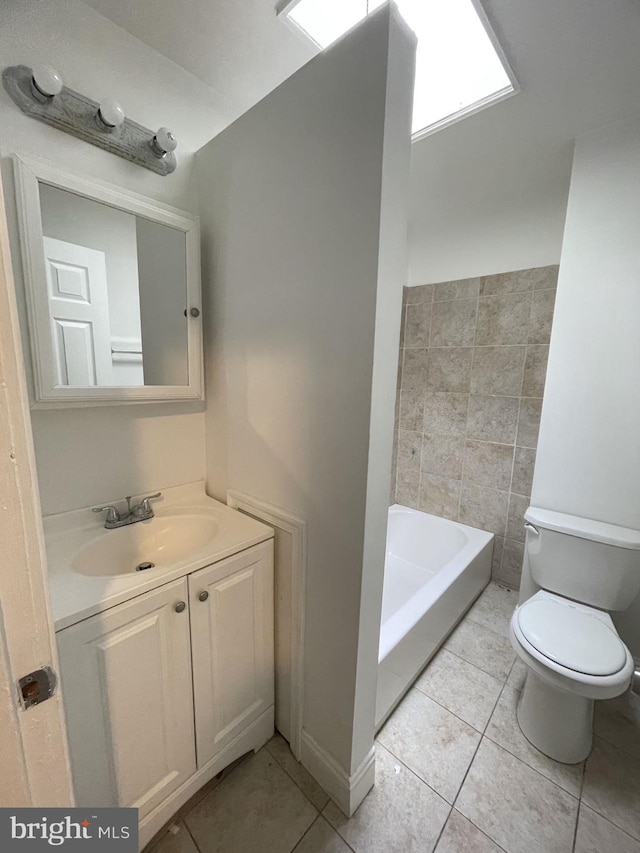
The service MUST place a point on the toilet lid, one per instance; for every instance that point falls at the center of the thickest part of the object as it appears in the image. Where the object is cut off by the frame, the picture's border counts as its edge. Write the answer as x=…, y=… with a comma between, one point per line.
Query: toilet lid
x=571, y=637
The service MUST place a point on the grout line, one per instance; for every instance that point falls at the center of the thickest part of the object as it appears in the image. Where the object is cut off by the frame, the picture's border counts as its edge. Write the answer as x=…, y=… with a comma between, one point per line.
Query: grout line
x=190, y=834
x=295, y=781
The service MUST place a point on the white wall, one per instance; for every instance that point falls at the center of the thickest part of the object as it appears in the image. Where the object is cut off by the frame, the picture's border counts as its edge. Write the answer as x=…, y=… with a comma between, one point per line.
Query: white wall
x=588, y=461
x=87, y=456
x=306, y=275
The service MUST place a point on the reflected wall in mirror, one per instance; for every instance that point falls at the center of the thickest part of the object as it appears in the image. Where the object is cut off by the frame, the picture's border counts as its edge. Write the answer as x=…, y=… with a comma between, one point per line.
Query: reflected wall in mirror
x=112, y=280
x=117, y=293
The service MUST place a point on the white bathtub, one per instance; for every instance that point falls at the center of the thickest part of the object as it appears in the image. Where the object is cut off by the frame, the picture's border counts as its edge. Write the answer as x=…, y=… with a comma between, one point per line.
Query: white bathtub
x=434, y=570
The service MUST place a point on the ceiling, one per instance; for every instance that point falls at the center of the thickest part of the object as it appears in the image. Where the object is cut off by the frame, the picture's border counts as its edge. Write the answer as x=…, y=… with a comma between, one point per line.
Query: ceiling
x=577, y=62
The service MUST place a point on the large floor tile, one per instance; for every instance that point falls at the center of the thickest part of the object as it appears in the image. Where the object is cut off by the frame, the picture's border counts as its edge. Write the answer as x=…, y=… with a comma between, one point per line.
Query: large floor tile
x=514, y=805
x=431, y=741
x=322, y=838
x=469, y=692
x=618, y=722
x=505, y=731
x=176, y=841
x=597, y=835
x=482, y=647
x=256, y=809
x=494, y=608
x=461, y=836
x=399, y=815
x=612, y=786
x=279, y=749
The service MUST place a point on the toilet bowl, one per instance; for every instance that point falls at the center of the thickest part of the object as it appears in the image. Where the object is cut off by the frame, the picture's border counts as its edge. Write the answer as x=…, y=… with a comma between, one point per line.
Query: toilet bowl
x=574, y=656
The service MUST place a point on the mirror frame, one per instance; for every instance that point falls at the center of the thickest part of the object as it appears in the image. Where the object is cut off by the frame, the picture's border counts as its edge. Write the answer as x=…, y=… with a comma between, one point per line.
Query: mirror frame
x=29, y=173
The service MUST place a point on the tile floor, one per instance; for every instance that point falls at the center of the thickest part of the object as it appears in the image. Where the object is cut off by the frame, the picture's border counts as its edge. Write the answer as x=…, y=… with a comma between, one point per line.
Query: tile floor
x=454, y=774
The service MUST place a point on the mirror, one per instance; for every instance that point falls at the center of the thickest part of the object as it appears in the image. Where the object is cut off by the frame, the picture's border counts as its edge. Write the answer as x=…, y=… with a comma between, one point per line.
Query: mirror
x=113, y=291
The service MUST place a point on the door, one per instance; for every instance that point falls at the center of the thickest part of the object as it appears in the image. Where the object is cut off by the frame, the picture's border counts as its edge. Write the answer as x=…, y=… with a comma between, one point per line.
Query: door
x=79, y=312
x=232, y=646
x=126, y=677
x=29, y=774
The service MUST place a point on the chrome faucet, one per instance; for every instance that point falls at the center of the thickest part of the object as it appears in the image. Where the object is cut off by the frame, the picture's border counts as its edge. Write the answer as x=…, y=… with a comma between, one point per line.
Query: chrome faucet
x=138, y=512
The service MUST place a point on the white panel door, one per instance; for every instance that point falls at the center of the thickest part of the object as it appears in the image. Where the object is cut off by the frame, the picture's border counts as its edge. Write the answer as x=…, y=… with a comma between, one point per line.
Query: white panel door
x=79, y=313
x=232, y=646
x=127, y=689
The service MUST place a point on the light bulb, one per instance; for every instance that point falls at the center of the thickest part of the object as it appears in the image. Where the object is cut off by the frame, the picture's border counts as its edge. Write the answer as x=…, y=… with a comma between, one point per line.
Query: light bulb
x=111, y=113
x=164, y=141
x=47, y=81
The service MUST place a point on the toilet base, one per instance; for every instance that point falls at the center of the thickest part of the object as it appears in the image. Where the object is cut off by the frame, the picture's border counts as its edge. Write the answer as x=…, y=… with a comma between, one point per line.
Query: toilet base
x=558, y=723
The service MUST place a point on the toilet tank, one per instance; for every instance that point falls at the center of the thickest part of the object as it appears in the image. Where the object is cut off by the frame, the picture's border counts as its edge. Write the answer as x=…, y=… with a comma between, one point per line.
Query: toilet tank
x=588, y=561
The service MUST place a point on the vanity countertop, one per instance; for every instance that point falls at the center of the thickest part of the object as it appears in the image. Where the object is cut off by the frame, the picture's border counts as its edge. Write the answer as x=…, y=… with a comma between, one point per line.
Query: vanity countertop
x=80, y=592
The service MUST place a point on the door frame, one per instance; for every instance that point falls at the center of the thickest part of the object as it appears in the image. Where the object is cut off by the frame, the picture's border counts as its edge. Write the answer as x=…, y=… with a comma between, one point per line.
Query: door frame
x=33, y=744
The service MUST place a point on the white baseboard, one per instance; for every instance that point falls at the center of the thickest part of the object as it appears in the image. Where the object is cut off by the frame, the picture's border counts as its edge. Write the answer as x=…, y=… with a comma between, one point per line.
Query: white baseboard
x=345, y=790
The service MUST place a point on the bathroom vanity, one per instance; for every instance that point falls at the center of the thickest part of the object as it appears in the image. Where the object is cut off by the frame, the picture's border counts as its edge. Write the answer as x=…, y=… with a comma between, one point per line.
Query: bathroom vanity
x=167, y=672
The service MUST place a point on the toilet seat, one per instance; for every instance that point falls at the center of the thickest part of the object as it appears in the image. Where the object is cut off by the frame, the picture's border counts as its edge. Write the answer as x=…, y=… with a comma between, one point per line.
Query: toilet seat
x=577, y=637
x=538, y=634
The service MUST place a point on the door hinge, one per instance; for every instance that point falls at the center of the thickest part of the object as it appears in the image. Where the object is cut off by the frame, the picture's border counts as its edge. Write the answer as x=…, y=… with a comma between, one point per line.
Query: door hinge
x=36, y=687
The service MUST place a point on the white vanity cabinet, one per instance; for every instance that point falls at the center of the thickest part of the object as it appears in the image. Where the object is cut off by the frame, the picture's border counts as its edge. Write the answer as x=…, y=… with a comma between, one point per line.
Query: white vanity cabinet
x=135, y=677
x=127, y=688
x=232, y=646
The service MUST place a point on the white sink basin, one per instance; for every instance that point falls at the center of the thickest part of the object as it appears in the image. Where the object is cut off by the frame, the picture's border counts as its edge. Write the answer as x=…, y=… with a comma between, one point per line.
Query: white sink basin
x=166, y=541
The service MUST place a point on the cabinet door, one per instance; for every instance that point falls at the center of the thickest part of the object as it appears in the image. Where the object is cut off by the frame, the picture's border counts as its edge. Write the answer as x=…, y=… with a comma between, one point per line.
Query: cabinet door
x=232, y=646
x=127, y=689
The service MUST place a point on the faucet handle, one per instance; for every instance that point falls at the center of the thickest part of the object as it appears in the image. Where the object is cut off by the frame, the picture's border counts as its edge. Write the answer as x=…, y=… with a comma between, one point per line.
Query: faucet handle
x=144, y=503
x=112, y=513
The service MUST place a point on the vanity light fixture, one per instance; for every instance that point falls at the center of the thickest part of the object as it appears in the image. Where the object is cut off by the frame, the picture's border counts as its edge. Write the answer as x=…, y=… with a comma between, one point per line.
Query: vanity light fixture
x=110, y=114
x=41, y=94
x=46, y=83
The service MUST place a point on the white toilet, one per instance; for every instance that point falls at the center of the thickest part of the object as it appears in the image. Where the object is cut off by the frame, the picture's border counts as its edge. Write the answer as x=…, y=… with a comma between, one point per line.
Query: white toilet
x=564, y=633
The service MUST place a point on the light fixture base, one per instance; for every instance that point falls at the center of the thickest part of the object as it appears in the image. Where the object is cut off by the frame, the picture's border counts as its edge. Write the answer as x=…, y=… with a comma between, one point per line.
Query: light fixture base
x=76, y=114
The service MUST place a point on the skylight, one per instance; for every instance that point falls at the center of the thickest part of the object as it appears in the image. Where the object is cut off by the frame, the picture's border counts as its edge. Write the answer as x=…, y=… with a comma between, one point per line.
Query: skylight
x=460, y=68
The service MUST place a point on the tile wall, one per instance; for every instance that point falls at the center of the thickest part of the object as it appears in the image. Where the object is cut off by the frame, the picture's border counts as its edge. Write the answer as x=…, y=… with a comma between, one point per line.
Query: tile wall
x=473, y=358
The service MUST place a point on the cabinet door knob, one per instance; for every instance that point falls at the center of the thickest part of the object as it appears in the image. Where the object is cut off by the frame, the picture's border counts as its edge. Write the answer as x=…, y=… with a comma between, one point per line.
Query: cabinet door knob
x=203, y=595
x=180, y=606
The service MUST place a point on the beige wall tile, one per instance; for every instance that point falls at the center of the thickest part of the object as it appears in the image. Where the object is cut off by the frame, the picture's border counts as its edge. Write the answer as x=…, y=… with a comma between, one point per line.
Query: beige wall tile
x=498, y=546
x=492, y=418
x=408, y=488
x=541, y=317
x=415, y=295
x=411, y=410
x=465, y=288
x=442, y=455
x=538, y=278
x=414, y=368
x=453, y=324
x=417, y=324
x=409, y=448
x=439, y=496
x=523, y=464
x=529, y=421
x=449, y=368
x=484, y=508
x=511, y=566
x=535, y=371
x=518, y=505
x=503, y=319
x=498, y=370
x=488, y=464
x=445, y=413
